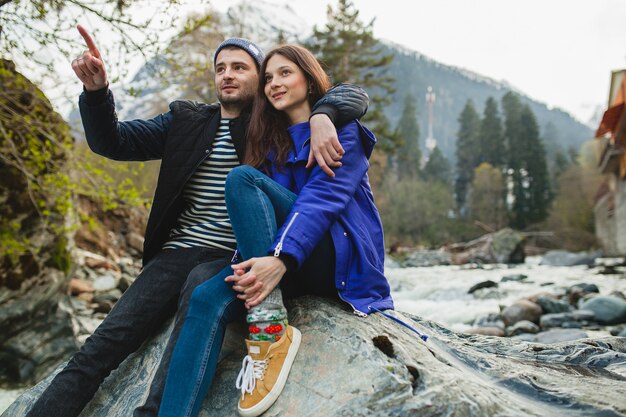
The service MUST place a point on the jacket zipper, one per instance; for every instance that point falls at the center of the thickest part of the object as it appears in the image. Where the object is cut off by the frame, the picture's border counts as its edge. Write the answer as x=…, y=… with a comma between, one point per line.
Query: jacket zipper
x=354, y=310
x=279, y=247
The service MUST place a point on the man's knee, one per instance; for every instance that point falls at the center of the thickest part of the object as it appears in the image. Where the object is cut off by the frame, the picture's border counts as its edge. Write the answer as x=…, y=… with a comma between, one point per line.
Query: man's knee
x=199, y=275
x=211, y=293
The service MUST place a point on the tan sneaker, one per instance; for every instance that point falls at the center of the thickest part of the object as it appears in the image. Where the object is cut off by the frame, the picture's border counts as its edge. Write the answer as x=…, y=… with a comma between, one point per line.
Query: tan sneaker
x=264, y=372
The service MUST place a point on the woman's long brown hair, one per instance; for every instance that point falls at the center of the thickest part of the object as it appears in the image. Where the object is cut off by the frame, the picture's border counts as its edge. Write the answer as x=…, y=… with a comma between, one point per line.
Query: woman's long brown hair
x=267, y=131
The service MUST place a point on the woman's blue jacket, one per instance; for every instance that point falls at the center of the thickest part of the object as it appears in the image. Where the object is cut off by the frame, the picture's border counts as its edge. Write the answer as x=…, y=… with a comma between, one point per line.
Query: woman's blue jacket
x=343, y=205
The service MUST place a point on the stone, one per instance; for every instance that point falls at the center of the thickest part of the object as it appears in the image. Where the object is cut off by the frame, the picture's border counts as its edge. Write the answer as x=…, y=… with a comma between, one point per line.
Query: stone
x=426, y=258
x=100, y=262
x=585, y=288
x=522, y=326
x=79, y=286
x=526, y=337
x=135, y=241
x=580, y=291
x=341, y=371
x=103, y=307
x=124, y=282
x=607, y=309
x=505, y=246
x=514, y=277
x=559, y=335
x=572, y=324
x=86, y=297
x=534, y=297
x=36, y=333
x=110, y=296
x=618, y=294
x=481, y=285
x=549, y=305
x=489, y=320
x=521, y=310
x=565, y=258
x=548, y=321
x=105, y=283
x=391, y=263
x=487, y=331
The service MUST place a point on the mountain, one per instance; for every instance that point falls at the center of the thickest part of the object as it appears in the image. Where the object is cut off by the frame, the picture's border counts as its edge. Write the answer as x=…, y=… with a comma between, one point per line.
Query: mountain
x=264, y=21
x=453, y=86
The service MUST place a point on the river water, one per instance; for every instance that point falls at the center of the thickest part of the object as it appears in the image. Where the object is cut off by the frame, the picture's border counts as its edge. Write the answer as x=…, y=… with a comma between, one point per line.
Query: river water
x=440, y=293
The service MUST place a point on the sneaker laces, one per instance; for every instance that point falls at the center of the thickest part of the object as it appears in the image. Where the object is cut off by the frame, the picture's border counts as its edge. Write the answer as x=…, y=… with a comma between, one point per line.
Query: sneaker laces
x=251, y=370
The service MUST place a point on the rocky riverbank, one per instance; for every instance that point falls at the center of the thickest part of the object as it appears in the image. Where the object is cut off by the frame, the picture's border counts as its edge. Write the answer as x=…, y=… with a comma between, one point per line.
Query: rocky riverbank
x=47, y=312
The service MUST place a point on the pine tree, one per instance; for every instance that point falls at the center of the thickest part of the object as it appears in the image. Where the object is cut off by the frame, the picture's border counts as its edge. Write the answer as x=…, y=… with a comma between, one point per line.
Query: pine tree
x=492, y=146
x=350, y=52
x=437, y=168
x=512, y=108
x=467, y=154
x=537, y=182
x=409, y=154
x=527, y=167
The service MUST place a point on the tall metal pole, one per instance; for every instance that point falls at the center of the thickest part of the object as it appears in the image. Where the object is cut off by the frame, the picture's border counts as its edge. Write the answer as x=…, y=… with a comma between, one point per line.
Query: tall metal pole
x=431, y=142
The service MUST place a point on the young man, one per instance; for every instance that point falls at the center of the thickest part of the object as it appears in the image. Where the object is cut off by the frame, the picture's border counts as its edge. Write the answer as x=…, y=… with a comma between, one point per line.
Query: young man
x=188, y=237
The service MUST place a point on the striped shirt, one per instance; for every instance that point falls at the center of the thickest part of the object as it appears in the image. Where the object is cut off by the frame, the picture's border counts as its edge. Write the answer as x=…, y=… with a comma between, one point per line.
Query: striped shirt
x=205, y=222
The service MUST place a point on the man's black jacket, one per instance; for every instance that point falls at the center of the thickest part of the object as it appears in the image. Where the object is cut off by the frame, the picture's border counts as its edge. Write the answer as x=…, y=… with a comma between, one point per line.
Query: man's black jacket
x=182, y=138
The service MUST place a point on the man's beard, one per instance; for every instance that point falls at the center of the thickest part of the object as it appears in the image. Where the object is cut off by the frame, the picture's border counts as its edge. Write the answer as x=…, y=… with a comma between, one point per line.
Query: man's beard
x=240, y=101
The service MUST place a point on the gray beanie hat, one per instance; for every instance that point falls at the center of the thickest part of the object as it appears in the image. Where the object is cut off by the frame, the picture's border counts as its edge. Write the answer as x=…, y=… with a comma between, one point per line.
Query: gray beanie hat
x=250, y=47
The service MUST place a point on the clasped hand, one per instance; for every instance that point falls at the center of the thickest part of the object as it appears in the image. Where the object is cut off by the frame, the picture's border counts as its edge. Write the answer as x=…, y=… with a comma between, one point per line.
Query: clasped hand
x=262, y=276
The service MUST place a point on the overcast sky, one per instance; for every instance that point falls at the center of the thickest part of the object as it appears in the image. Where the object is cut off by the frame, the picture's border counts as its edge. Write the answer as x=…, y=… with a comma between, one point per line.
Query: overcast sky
x=560, y=52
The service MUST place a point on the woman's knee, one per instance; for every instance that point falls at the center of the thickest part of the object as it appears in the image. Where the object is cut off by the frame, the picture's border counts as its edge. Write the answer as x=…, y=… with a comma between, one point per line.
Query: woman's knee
x=243, y=174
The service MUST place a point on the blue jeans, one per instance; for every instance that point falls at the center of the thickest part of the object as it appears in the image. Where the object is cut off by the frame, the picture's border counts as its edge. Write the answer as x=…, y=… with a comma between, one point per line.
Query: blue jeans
x=257, y=205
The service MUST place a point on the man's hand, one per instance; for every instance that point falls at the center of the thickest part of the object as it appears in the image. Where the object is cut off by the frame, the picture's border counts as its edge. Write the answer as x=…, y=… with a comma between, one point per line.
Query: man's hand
x=325, y=146
x=89, y=67
x=263, y=276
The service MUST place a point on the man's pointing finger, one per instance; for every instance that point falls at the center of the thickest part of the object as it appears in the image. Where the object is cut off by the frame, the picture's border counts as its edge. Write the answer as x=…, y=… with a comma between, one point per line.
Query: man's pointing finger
x=89, y=41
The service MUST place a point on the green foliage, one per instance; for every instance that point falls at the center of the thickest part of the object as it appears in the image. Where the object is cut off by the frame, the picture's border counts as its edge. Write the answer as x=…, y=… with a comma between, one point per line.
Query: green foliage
x=487, y=196
x=571, y=215
x=60, y=257
x=408, y=156
x=42, y=172
x=437, y=168
x=347, y=47
x=416, y=212
x=467, y=152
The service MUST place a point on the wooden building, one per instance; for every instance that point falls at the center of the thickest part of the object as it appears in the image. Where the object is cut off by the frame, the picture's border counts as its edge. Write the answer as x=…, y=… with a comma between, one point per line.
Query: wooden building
x=610, y=208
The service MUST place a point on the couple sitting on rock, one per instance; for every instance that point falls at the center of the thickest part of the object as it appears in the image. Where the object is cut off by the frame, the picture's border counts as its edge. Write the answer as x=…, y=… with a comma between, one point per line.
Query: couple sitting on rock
x=226, y=241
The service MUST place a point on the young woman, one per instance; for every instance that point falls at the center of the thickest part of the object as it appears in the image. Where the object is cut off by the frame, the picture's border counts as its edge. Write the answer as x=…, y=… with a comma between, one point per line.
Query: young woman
x=299, y=232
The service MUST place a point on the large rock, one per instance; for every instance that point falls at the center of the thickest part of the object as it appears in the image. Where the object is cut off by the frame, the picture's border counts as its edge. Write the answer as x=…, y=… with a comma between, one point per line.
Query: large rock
x=424, y=258
x=568, y=319
x=565, y=258
x=550, y=305
x=521, y=310
x=34, y=251
x=504, y=246
x=350, y=366
x=607, y=309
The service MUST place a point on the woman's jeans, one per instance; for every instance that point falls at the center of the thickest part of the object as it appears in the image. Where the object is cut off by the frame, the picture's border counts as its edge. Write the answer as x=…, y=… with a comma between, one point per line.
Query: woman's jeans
x=257, y=206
